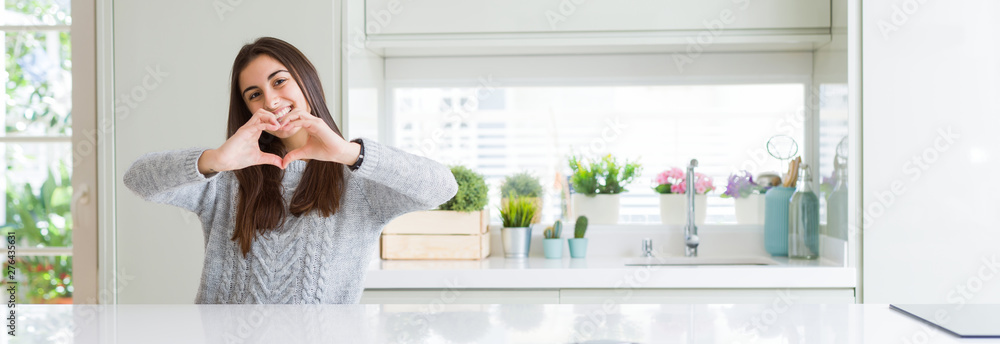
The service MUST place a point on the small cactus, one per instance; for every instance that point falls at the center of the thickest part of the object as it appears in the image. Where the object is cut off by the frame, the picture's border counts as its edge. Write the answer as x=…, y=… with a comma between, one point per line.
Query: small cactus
x=554, y=231
x=581, y=227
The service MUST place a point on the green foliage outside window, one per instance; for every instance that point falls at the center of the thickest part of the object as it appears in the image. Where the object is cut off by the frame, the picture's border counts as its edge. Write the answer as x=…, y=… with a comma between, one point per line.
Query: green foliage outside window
x=38, y=89
x=41, y=218
x=38, y=65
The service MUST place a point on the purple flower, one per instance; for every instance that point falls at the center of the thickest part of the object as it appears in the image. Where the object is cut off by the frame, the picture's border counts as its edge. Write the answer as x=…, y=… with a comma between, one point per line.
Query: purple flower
x=740, y=185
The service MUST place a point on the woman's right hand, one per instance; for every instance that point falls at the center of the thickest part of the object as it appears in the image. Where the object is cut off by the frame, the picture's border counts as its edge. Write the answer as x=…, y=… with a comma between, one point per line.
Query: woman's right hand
x=242, y=150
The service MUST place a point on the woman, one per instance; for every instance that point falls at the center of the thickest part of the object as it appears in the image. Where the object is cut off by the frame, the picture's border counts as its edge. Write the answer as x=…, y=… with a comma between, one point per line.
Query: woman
x=284, y=146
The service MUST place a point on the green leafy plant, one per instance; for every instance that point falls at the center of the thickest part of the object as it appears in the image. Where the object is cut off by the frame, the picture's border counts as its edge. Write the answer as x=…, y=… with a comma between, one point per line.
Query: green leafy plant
x=604, y=176
x=472, y=190
x=523, y=184
x=43, y=219
x=38, y=65
x=517, y=212
x=555, y=231
x=581, y=227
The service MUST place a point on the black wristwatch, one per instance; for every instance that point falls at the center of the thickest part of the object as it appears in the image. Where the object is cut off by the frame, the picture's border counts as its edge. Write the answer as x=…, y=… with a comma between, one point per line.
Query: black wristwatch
x=361, y=155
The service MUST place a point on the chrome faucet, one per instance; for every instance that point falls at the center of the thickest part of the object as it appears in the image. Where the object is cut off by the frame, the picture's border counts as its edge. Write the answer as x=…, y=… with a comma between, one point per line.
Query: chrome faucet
x=647, y=248
x=690, y=230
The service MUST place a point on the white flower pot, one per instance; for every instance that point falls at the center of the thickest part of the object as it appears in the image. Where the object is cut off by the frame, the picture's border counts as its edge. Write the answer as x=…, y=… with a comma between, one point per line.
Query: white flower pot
x=673, y=209
x=599, y=209
x=750, y=210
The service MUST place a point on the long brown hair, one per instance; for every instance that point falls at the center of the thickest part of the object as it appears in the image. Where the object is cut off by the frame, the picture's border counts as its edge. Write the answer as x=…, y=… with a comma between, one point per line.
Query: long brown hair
x=261, y=206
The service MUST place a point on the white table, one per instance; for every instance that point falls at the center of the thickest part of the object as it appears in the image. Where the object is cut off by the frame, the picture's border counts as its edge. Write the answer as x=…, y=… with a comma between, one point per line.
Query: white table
x=770, y=323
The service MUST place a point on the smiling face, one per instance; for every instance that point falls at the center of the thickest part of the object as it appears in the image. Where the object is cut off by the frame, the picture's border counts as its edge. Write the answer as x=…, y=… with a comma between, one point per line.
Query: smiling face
x=267, y=84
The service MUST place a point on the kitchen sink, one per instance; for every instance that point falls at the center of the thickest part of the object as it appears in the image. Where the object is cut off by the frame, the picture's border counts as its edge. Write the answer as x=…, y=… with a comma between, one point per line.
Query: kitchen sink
x=662, y=261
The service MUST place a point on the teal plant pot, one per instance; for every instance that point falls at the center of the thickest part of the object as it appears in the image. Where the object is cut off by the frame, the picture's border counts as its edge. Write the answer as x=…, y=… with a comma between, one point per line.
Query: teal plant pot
x=553, y=248
x=578, y=247
x=776, y=202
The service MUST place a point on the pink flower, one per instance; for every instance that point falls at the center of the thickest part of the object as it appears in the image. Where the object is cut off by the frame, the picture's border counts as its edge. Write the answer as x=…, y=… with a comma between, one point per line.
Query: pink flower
x=678, y=184
x=678, y=188
x=662, y=178
x=676, y=173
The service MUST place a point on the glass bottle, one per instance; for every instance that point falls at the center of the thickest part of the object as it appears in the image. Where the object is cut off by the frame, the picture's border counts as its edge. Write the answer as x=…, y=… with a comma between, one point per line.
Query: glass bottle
x=803, y=219
x=836, y=205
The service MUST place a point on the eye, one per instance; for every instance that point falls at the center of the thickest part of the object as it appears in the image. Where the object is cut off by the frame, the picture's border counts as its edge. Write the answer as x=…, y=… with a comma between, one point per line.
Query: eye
x=253, y=95
x=279, y=82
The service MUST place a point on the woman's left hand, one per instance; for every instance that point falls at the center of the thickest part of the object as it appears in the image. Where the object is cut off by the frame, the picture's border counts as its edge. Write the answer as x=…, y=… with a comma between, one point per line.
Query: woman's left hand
x=322, y=143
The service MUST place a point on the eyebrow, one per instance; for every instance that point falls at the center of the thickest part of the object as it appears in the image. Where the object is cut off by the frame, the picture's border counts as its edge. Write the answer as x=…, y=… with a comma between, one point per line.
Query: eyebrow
x=269, y=77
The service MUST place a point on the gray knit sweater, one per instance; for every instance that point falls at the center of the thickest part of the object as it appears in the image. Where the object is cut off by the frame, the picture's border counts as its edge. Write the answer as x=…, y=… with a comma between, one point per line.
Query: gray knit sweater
x=311, y=259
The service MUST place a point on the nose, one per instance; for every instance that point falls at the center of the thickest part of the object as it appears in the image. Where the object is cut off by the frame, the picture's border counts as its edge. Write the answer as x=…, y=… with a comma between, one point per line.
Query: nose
x=272, y=101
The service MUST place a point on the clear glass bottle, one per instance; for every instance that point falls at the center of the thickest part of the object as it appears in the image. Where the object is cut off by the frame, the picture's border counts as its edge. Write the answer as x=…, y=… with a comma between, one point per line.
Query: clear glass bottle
x=836, y=205
x=803, y=219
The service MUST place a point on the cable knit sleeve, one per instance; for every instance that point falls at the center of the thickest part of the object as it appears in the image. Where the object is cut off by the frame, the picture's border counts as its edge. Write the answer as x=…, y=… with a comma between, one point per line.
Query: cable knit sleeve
x=172, y=177
x=398, y=182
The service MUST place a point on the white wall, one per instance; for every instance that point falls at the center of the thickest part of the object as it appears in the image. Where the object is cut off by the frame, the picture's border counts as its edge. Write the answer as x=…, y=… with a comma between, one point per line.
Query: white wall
x=931, y=68
x=160, y=248
x=364, y=86
x=364, y=75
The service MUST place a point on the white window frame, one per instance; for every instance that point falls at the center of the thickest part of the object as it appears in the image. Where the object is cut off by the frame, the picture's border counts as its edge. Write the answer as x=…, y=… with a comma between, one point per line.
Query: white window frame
x=51, y=251
x=84, y=208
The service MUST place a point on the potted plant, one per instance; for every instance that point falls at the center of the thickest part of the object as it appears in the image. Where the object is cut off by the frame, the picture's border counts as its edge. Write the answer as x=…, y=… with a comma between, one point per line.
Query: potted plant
x=553, y=242
x=671, y=186
x=748, y=198
x=598, y=185
x=578, y=244
x=525, y=185
x=462, y=222
x=471, y=194
x=516, y=215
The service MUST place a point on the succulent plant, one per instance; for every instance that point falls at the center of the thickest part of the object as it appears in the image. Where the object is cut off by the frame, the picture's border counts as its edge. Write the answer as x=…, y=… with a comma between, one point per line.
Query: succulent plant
x=554, y=231
x=471, y=195
x=523, y=184
x=581, y=227
x=517, y=212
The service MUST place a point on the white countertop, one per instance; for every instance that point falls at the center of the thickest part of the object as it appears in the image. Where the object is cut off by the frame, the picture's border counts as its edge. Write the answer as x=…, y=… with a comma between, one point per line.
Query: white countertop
x=86, y=324
x=601, y=272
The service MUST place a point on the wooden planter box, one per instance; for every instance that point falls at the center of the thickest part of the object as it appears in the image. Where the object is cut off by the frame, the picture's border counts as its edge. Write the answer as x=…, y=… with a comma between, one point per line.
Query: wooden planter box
x=437, y=234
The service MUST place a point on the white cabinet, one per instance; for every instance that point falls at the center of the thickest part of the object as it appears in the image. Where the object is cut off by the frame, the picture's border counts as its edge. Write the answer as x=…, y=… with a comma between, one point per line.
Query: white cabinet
x=616, y=296
x=396, y=28
x=934, y=69
x=660, y=296
x=459, y=296
x=397, y=17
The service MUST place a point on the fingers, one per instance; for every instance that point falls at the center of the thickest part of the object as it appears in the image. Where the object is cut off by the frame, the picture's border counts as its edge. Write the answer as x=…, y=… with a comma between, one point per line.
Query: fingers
x=270, y=159
x=294, y=115
x=308, y=122
x=295, y=154
x=264, y=116
x=265, y=126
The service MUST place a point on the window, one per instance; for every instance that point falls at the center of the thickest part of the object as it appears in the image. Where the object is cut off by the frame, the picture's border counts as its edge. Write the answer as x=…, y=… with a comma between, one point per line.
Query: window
x=505, y=114
x=36, y=147
x=498, y=131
